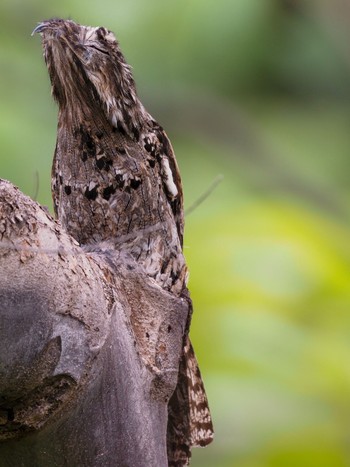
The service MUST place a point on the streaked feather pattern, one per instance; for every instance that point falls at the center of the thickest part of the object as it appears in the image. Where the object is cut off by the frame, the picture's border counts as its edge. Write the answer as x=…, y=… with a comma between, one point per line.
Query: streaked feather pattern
x=116, y=183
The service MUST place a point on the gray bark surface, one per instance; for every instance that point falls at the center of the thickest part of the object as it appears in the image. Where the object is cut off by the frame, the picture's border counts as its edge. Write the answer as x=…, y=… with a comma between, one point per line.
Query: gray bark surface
x=89, y=348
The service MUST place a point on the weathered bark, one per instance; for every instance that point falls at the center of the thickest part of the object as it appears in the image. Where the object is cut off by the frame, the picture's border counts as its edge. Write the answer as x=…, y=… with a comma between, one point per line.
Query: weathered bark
x=89, y=348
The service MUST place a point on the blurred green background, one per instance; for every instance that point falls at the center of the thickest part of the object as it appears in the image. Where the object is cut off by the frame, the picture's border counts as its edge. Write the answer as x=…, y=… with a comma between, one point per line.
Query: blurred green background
x=257, y=90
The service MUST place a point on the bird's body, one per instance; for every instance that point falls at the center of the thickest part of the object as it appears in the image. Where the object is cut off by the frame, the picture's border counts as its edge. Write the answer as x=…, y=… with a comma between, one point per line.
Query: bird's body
x=116, y=185
x=111, y=190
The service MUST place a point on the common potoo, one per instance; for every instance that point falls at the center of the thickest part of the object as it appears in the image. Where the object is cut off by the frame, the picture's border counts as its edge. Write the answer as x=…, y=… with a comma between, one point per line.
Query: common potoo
x=116, y=184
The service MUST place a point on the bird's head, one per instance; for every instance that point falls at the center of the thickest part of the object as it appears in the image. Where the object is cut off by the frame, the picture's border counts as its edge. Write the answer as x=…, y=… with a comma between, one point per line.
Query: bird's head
x=88, y=69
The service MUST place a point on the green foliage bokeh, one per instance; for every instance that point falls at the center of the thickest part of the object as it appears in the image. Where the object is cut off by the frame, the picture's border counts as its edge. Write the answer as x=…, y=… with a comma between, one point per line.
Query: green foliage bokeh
x=259, y=91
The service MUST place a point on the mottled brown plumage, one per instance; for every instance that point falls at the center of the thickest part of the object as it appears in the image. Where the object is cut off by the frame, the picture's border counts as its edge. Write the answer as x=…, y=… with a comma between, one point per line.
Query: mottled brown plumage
x=116, y=185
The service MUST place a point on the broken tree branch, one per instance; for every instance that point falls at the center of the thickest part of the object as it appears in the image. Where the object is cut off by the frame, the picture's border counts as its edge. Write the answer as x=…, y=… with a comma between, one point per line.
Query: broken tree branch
x=89, y=348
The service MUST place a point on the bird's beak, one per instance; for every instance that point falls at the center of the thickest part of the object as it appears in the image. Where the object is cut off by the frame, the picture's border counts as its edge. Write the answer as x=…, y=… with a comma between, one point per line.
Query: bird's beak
x=40, y=28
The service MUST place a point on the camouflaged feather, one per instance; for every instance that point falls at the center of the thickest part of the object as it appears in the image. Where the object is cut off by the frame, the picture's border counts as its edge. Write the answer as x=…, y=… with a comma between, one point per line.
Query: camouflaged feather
x=116, y=184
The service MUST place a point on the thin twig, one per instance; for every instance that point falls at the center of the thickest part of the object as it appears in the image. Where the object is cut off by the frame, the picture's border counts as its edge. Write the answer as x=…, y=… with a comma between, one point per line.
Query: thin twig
x=205, y=195
x=36, y=185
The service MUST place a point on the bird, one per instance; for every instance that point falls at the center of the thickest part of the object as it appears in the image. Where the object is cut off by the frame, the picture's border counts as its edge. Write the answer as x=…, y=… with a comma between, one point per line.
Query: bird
x=116, y=184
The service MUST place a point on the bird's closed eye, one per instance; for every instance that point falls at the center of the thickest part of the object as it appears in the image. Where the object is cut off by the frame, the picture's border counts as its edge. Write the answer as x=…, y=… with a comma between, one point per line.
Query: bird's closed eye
x=97, y=48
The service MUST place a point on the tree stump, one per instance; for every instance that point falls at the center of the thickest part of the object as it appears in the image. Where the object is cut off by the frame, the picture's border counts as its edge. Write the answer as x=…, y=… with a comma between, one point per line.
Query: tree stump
x=89, y=348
